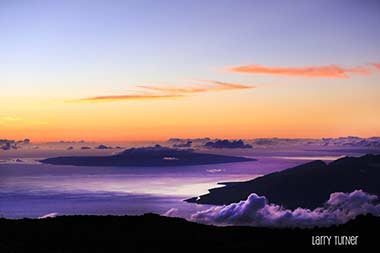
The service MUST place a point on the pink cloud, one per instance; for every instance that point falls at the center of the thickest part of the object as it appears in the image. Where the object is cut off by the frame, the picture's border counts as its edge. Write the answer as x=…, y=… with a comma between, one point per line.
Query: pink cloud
x=204, y=86
x=376, y=66
x=331, y=71
x=126, y=97
x=168, y=92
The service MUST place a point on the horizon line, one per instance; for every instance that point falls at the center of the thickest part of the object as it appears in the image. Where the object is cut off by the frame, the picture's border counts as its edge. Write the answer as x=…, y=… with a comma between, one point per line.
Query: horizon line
x=184, y=138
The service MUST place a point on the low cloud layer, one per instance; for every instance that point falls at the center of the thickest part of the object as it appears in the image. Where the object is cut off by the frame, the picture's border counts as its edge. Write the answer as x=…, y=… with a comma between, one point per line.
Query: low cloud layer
x=6, y=144
x=331, y=71
x=227, y=144
x=102, y=146
x=347, y=141
x=256, y=211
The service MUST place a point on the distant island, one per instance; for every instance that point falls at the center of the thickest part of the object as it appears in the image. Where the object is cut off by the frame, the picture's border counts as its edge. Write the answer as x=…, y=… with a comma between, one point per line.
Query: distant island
x=308, y=185
x=147, y=156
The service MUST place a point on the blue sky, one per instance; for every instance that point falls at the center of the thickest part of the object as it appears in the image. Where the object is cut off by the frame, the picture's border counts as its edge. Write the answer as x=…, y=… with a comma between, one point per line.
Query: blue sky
x=109, y=46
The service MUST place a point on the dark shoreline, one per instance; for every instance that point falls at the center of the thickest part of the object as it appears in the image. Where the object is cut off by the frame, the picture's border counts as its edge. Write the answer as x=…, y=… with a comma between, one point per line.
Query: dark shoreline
x=154, y=233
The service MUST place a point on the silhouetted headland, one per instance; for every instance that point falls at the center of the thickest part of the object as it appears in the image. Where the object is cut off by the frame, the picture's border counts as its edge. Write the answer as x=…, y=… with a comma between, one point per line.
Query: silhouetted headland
x=308, y=185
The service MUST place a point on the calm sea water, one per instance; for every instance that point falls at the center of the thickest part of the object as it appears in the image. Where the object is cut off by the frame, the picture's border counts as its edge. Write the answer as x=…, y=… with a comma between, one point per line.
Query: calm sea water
x=30, y=189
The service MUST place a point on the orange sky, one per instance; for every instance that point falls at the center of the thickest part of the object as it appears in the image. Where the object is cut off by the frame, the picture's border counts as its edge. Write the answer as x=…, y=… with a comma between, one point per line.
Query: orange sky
x=265, y=111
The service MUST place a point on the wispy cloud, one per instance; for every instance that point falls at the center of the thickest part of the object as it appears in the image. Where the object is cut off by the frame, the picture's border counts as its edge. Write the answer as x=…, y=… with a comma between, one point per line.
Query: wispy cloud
x=201, y=86
x=330, y=71
x=229, y=86
x=156, y=92
x=175, y=90
x=125, y=97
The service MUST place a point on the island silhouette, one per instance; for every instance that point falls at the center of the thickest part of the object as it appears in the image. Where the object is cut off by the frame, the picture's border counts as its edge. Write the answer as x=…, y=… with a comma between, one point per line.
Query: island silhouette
x=148, y=156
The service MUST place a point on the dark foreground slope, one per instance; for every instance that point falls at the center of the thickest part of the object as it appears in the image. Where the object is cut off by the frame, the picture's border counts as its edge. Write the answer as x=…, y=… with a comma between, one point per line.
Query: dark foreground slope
x=308, y=185
x=148, y=156
x=153, y=233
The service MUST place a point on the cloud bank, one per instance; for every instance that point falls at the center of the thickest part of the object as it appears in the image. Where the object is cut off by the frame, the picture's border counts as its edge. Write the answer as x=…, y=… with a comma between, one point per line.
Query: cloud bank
x=6, y=144
x=331, y=71
x=102, y=146
x=256, y=211
x=227, y=144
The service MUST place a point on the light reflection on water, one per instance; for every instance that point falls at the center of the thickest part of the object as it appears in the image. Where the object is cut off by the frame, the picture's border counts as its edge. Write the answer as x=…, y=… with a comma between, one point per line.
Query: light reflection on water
x=33, y=190
x=309, y=158
x=30, y=190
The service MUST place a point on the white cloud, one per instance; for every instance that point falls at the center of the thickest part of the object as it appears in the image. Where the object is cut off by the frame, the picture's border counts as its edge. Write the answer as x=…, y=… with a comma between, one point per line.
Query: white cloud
x=49, y=215
x=256, y=211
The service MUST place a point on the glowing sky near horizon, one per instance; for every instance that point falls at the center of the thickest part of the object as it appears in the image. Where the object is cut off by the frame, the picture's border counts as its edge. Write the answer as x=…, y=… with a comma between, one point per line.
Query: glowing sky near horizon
x=151, y=70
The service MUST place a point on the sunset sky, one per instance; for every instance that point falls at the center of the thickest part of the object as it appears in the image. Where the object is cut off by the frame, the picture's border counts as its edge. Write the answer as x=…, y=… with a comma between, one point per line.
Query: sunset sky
x=150, y=70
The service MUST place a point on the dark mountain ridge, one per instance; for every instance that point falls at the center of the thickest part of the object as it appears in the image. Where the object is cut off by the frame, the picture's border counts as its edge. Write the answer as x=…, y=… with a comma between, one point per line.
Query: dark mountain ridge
x=308, y=185
x=154, y=233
